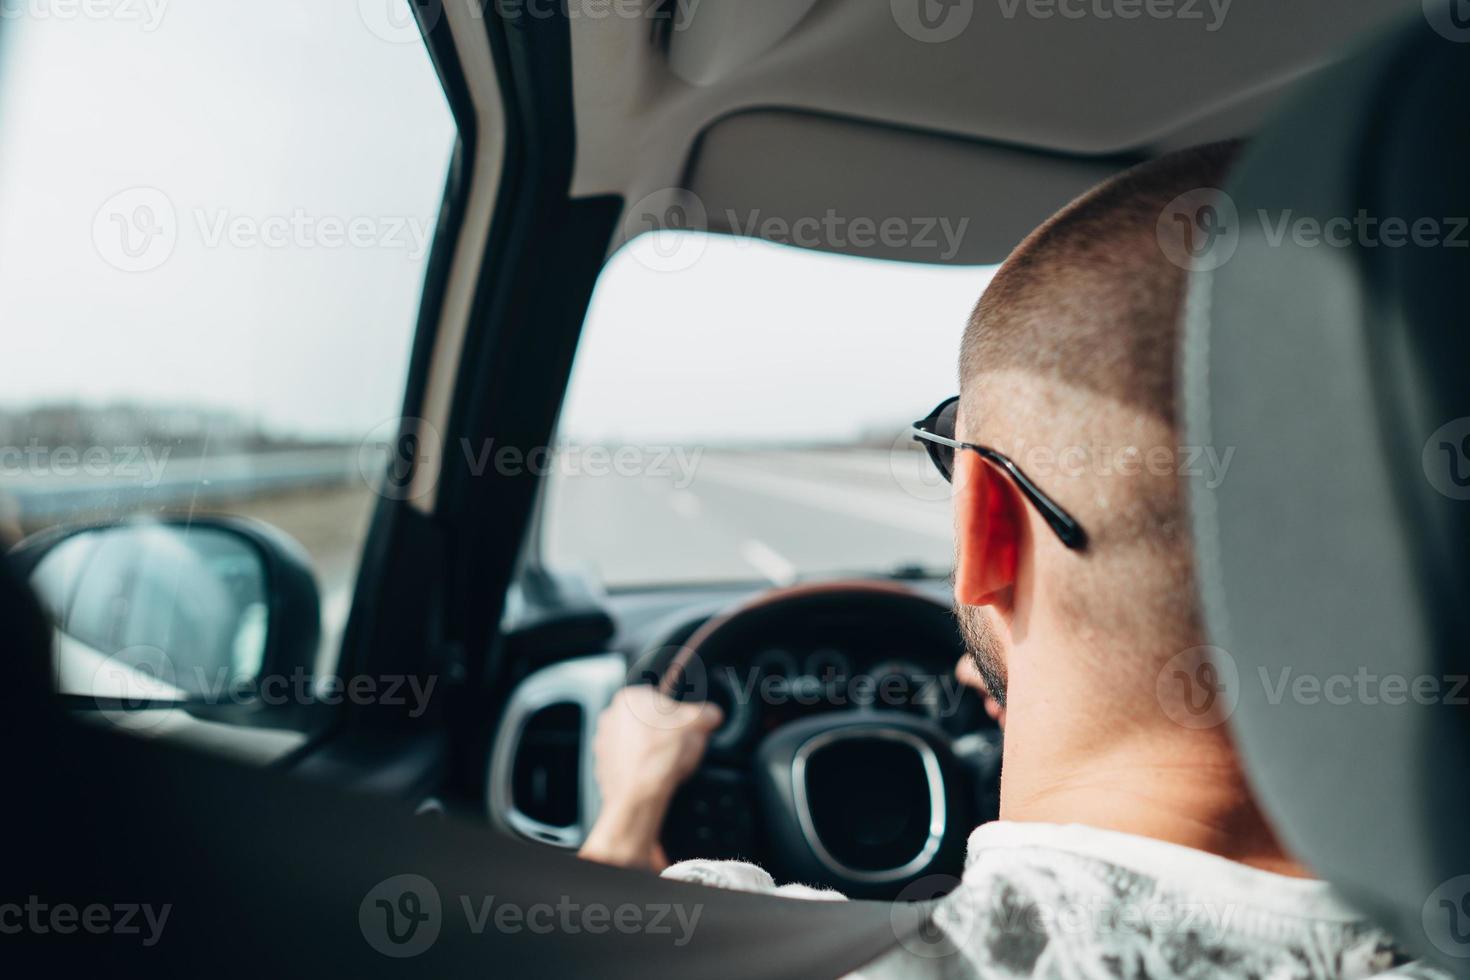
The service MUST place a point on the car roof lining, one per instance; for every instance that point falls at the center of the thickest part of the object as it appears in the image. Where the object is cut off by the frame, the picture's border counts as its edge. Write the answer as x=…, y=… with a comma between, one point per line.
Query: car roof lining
x=1070, y=93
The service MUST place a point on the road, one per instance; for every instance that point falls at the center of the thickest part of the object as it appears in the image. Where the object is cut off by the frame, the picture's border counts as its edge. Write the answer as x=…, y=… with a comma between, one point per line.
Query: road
x=771, y=515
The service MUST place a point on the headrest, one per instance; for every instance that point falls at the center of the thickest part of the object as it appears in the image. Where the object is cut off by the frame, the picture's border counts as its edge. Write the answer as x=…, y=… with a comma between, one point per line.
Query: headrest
x=1326, y=346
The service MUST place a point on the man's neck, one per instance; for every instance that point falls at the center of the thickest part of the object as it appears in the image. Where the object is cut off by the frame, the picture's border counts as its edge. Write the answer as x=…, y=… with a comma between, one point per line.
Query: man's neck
x=1182, y=787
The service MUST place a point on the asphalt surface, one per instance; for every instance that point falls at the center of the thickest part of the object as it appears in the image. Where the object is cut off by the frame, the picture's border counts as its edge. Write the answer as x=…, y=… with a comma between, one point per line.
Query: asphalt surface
x=754, y=515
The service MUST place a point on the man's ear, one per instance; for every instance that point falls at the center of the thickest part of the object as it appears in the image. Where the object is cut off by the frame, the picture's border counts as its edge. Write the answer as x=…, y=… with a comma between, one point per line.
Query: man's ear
x=988, y=523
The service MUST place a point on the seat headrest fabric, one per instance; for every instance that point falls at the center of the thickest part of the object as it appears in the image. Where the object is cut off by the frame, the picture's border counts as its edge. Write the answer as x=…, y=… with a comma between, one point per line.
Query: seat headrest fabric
x=1326, y=349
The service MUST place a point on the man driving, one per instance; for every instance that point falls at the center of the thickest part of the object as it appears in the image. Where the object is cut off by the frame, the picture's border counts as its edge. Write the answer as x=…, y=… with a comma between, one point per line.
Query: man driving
x=1129, y=843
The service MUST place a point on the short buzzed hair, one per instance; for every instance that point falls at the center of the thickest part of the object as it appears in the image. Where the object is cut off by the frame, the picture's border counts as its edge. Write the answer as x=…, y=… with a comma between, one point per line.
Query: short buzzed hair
x=1074, y=348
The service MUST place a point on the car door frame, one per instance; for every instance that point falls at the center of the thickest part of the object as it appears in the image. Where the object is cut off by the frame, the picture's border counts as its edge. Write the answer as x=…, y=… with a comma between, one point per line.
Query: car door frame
x=439, y=559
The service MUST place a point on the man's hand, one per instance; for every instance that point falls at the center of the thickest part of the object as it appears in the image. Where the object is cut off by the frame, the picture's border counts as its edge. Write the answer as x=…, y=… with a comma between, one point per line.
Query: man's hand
x=646, y=745
x=970, y=677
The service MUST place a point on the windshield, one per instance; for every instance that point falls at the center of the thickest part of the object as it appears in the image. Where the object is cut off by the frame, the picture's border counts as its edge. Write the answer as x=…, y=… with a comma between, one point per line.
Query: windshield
x=745, y=416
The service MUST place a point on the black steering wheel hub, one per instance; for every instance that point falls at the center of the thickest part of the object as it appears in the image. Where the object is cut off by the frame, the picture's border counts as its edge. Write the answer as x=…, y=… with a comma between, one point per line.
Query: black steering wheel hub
x=863, y=803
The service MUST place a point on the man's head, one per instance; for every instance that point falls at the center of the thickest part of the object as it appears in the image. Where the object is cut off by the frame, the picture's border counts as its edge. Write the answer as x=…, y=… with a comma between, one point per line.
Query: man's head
x=1068, y=366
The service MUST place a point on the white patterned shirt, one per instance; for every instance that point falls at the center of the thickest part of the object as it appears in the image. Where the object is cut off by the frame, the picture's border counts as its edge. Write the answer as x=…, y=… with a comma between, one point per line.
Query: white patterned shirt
x=1043, y=900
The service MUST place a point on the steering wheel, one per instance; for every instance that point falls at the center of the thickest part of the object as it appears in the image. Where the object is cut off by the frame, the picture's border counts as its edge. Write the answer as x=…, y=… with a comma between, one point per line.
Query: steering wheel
x=865, y=800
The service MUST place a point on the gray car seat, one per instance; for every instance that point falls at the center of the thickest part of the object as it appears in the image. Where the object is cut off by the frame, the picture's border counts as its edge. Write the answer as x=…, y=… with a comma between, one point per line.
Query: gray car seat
x=1331, y=357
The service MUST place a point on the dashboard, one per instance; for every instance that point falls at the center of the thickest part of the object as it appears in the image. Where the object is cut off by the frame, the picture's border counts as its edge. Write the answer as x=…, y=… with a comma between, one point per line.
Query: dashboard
x=799, y=676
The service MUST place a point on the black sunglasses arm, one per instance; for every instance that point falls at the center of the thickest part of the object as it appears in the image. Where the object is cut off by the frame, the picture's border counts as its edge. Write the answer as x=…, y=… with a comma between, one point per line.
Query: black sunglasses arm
x=1062, y=523
x=1059, y=520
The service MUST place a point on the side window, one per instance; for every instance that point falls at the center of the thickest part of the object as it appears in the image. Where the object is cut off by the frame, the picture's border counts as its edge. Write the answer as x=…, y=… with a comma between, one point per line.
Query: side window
x=215, y=221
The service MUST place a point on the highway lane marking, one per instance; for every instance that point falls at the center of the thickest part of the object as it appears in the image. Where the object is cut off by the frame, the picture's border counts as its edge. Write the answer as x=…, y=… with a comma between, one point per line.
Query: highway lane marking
x=900, y=510
x=877, y=465
x=335, y=609
x=685, y=504
x=768, y=561
x=336, y=606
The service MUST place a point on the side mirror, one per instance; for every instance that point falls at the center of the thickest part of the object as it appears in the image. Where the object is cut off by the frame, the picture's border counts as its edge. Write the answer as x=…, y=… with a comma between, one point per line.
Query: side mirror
x=192, y=612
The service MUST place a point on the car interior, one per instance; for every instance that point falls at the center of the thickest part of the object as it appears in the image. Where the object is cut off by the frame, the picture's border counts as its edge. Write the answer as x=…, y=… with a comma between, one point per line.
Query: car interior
x=508, y=609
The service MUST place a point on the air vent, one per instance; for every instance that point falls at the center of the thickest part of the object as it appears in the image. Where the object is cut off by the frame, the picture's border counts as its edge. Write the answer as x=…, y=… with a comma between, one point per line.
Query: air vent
x=538, y=784
x=544, y=782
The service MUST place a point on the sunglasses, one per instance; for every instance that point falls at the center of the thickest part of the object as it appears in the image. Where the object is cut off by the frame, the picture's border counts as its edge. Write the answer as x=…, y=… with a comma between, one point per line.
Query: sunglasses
x=937, y=433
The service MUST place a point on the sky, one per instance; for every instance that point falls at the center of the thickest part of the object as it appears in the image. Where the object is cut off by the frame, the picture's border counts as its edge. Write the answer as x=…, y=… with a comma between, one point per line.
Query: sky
x=755, y=341
x=171, y=176
x=242, y=118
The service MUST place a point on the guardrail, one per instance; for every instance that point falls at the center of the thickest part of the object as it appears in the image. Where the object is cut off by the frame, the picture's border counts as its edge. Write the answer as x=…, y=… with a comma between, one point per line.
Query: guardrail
x=52, y=493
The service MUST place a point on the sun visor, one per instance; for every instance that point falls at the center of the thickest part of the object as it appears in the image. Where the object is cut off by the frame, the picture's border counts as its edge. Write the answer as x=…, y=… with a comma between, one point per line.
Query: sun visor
x=861, y=189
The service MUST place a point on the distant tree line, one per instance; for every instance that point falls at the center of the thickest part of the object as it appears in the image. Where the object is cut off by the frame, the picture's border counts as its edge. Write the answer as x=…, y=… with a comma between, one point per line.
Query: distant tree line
x=186, y=430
